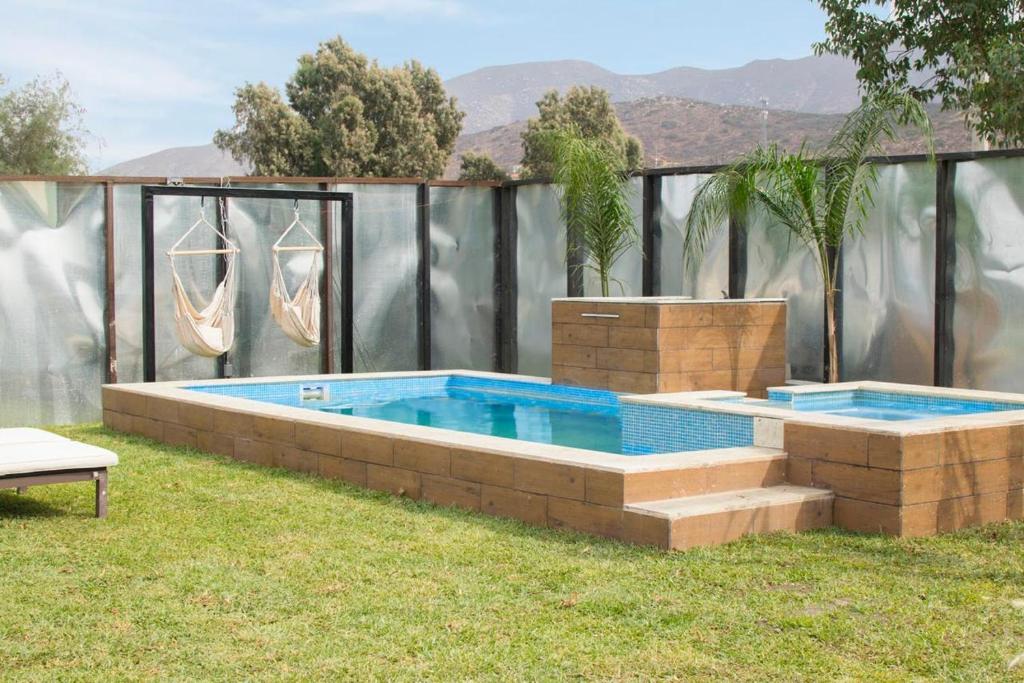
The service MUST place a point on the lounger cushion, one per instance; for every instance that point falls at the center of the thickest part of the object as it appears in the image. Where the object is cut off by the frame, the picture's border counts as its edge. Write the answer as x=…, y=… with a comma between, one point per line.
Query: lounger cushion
x=49, y=456
x=27, y=435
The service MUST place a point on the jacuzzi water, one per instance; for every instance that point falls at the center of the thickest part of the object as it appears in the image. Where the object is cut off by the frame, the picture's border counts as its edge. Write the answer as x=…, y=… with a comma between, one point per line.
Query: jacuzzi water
x=553, y=414
x=880, y=405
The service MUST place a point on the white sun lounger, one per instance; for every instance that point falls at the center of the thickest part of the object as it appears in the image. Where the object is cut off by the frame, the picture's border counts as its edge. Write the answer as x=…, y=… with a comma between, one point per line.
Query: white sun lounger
x=33, y=457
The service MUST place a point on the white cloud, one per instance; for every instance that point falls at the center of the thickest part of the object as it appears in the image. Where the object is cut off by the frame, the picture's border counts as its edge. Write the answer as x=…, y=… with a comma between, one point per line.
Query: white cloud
x=104, y=72
x=387, y=9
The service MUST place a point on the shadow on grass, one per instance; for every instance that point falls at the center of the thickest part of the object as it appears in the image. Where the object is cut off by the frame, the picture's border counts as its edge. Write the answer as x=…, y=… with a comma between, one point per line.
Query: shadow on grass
x=856, y=551
x=23, y=506
x=595, y=545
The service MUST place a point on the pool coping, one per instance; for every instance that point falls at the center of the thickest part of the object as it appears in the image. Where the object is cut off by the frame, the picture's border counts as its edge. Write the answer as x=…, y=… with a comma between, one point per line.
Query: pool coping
x=181, y=391
x=711, y=400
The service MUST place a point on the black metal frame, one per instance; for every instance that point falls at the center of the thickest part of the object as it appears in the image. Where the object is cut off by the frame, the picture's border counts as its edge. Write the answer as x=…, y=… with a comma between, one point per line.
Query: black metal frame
x=506, y=279
x=149, y=194
x=505, y=222
x=423, y=275
x=651, y=235
x=945, y=253
x=945, y=268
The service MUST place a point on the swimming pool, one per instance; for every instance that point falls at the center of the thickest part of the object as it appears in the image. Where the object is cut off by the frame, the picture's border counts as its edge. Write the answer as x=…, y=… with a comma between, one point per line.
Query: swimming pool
x=576, y=417
x=890, y=406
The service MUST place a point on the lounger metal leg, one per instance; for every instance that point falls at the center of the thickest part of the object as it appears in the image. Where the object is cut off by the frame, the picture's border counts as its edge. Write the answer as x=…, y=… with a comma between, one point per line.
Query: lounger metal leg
x=101, y=492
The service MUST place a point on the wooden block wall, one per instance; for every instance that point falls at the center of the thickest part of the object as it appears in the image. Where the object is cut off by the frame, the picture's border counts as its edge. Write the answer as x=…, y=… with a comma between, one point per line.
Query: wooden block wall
x=537, y=492
x=912, y=485
x=666, y=347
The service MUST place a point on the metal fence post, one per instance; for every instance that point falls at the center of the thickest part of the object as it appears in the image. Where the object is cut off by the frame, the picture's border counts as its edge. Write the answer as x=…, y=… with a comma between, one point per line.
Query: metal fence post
x=506, y=279
x=110, y=282
x=423, y=274
x=326, y=288
x=651, y=236
x=737, y=256
x=945, y=270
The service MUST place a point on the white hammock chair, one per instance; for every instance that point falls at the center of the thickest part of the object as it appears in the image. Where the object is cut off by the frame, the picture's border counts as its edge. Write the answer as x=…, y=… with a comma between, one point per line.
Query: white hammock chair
x=209, y=332
x=298, y=316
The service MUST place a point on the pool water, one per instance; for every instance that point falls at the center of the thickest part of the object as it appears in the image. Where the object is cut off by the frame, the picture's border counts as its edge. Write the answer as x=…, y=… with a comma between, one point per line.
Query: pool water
x=576, y=417
x=579, y=425
x=878, y=405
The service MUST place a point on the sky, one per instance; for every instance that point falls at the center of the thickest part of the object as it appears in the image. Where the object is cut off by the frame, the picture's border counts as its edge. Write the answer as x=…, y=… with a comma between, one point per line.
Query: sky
x=153, y=75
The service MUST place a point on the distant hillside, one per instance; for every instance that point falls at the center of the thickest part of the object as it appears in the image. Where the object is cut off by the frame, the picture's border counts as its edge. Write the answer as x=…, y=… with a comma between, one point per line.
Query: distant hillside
x=677, y=131
x=200, y=160
x=498, y=95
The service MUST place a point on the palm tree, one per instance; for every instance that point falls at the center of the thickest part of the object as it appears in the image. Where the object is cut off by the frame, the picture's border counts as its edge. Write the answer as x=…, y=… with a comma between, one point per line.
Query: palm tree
x=594, y=192
x=820, y=200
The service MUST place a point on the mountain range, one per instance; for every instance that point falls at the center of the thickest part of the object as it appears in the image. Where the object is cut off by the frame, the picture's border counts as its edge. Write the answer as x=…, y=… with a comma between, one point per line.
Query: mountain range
x=682, y=115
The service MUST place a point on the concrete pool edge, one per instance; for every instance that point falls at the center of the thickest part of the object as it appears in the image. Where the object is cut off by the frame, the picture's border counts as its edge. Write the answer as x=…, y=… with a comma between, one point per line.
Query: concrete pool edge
x=913, y=478
x=910, y=478
x=537, y=483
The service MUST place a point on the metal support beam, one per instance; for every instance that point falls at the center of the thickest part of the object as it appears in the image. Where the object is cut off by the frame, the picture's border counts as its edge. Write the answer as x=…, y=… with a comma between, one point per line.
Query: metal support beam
x=651, y=236
x=224, y=367
x=737, y=256
x=423, y=274
x=149, y=194
x=945, y=271
x=506, y=279
x=347, y=295
x=110, y=283
x=326, y=285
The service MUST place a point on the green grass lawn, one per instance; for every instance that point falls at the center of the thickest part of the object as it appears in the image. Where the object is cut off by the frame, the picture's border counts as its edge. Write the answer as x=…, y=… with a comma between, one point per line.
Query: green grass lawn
x=212, y=569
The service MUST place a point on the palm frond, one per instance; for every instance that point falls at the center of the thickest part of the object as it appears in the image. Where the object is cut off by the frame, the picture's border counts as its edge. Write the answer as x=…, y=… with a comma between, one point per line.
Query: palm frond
x=595, y=196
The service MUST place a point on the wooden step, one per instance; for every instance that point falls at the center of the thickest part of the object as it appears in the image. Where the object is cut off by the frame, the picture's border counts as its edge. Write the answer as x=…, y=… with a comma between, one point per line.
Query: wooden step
x=716, y=518
x=704, y=472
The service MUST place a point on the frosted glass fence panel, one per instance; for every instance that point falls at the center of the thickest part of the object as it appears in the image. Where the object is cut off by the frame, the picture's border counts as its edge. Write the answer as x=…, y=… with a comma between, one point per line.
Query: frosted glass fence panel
x=627, y=275
x=261, y=348
x=52, y=349
x=172, y=217
x=707, y=278
x=780, y=267
x=462, y=237
x=540, y=253
x=987, y=331
x=384, y=277
x=888, y=282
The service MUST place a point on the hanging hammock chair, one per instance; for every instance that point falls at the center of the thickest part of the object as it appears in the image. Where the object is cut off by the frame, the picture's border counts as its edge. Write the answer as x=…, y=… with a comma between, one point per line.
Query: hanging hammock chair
x=209, y=331
x=298, y=316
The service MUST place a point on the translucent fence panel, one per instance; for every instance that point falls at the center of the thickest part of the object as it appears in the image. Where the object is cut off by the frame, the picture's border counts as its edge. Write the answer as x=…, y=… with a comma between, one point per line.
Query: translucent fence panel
x=52, y=348
x=709, y=278
x=172, y=216
x=889, y=281
x=384, y=276
x=540, y=255
x=989, y=282
x=462, y=237
x=261, y=348
x=627, y=275
x=779, y=267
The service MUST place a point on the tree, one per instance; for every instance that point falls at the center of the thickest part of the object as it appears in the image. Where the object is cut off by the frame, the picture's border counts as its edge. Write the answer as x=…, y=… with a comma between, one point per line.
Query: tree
x=41, y=130
x=969, y=54
x=589, y=111
x=480, y=167
x=820, y=201
x=345, y=116
x=594, y=191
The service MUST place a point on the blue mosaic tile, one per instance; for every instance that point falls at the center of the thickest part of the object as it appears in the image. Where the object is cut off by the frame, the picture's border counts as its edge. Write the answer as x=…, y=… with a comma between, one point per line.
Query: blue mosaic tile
x=644, y=429
x=648, y=428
